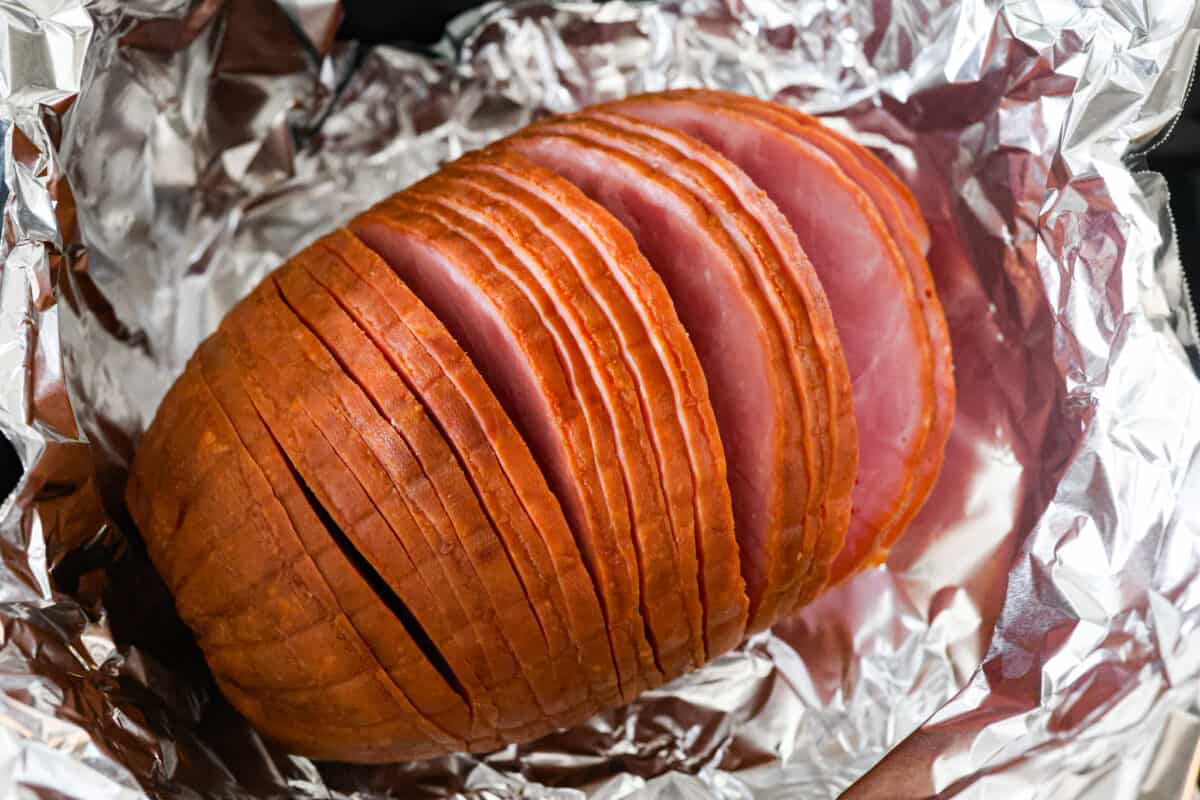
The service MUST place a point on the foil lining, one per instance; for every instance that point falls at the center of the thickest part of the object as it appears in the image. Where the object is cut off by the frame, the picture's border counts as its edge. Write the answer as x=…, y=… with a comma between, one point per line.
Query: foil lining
x=1033, y=636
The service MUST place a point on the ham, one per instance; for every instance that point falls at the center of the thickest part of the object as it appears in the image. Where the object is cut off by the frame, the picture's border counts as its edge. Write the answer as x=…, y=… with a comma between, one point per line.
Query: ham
x=869, y=289
x=551, y=427
x=673, y=393
x=510, y=345
x=744, y=356
x=330, y=448
x=401, y=731
x=543, y=273
x=501, y=468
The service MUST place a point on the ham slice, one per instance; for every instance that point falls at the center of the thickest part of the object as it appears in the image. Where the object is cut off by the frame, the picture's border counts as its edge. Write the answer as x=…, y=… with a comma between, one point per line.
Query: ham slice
x=542, y=272
x=726, y=311
x=323, y=425
x=770, y=248
x=479, y=563
x=501, y=468
x=350, y=579
x=510, y=345
x=655, y=348
x=869, y=288
x=907, y=226
x=207, y=442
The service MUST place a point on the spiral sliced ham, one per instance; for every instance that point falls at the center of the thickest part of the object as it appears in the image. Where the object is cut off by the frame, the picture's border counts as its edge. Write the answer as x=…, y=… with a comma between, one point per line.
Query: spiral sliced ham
x=501, y=470
x=869, y=287
x=509, y=343
x=541, y=272
x=551, y=427
x=726, y=306
x=672, y=388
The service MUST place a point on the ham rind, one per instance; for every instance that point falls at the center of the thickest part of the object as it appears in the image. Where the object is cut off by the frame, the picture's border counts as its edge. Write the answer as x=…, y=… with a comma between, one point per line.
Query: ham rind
x=511, y=347
x=293, y=389
x=553, y=672
x=479, y=562
x=869, y=289
x=540, y=270
x=770, y=248
x=743, y=356
x=382, y=632
x=508, y=481
x=205, y=447
x=907, y=226
x=361, y=744
x=656, y=350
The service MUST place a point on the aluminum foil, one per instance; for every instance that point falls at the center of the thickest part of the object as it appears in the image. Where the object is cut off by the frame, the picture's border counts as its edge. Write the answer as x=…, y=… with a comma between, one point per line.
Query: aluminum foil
x=1033, y=636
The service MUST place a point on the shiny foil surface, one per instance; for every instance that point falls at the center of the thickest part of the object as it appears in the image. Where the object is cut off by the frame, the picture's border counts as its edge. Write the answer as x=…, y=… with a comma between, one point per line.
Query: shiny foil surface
x=1033, y=636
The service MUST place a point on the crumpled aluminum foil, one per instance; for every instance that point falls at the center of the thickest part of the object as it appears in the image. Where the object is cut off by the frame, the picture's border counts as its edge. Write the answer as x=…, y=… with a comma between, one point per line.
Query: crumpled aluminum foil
x=1033, y=636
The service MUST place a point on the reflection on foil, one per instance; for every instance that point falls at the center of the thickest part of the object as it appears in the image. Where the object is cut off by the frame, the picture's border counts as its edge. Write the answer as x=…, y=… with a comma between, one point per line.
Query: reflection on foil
x=1032, y=637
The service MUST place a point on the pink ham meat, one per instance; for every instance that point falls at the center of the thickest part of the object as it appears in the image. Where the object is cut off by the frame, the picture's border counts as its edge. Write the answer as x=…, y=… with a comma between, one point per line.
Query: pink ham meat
x=671, y=384
x=724, y=297
x=907, y=225
x=541, y=271
x=770, y=248
x=511, y=346
x=869, y=287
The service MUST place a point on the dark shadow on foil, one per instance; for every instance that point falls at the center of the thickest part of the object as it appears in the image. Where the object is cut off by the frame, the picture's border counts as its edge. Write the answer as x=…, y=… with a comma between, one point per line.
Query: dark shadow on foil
x=1178, y=159
x=163, y=681
x=10, y=468
x=372, y=22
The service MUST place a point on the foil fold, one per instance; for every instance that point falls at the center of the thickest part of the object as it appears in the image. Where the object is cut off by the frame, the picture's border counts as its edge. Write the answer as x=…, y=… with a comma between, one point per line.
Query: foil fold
x=1033, y=636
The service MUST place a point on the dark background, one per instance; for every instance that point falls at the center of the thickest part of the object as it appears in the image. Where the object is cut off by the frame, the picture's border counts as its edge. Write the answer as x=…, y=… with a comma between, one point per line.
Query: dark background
x=421, y=23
